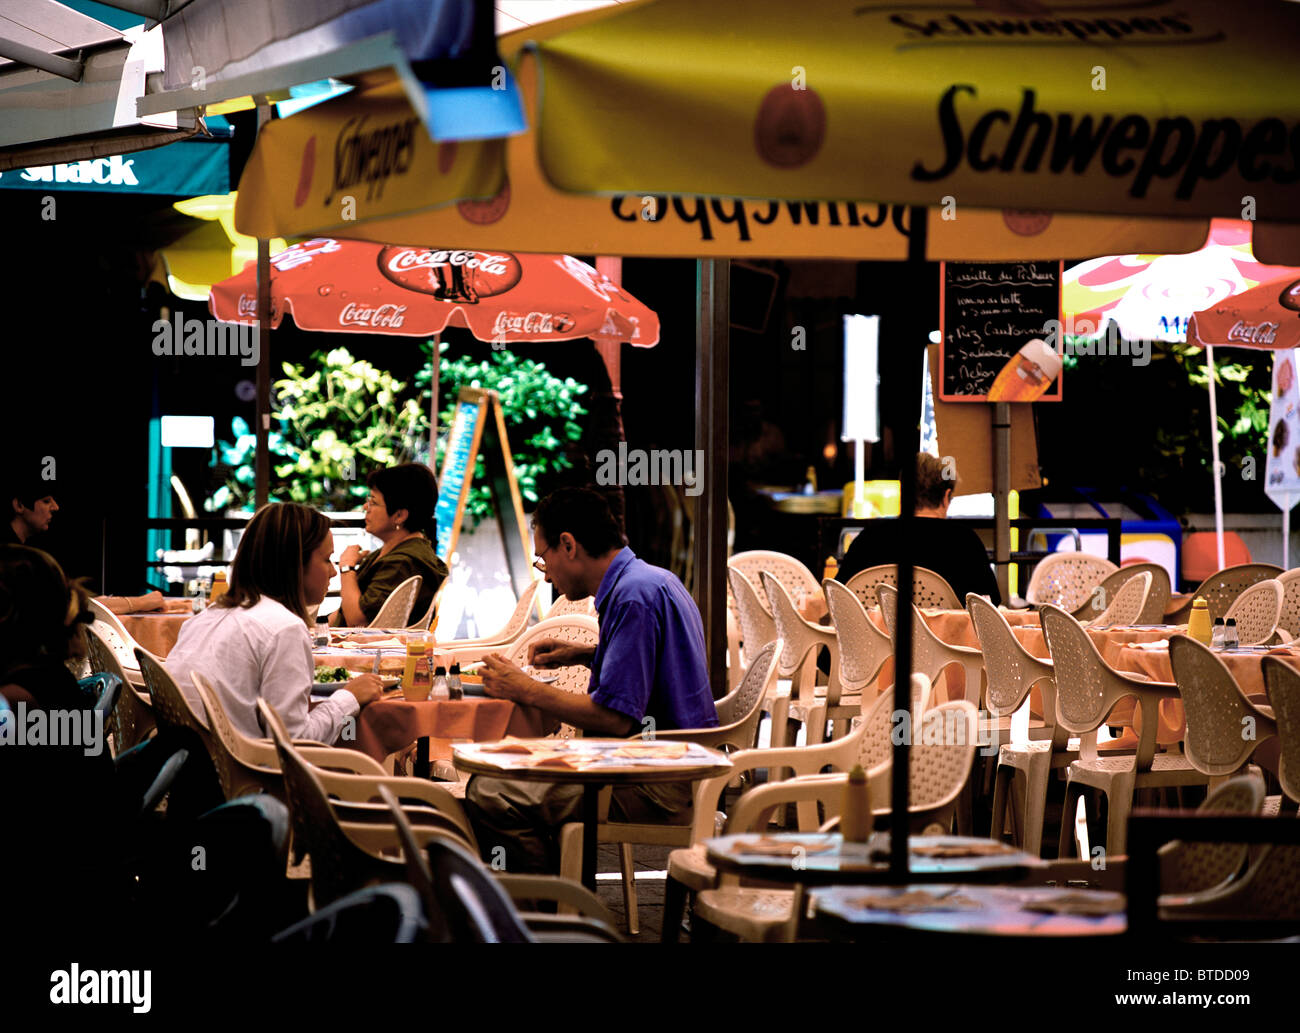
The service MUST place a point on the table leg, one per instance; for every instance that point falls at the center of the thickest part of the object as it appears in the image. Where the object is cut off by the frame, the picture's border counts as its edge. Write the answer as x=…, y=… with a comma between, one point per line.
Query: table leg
x=423, y=768
x=590, y=814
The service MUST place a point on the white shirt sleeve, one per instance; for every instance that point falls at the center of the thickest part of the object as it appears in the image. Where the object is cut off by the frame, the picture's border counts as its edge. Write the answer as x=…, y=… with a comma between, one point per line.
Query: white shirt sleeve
x=286, y=684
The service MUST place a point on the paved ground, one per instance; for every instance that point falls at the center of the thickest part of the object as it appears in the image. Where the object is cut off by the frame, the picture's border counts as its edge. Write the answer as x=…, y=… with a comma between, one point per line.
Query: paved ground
x=651, y=867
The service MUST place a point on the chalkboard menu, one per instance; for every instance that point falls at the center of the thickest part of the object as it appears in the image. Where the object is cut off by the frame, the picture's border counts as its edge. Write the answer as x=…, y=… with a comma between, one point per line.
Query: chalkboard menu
x=989, y=311
x=479, y=428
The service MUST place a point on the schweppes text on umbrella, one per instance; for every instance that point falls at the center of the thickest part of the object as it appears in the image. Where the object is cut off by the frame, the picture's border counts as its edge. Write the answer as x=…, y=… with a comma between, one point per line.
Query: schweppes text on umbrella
x=1128, y=145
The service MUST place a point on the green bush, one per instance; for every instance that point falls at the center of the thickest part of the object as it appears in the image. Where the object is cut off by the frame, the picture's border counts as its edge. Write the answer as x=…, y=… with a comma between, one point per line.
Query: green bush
x=346, y=417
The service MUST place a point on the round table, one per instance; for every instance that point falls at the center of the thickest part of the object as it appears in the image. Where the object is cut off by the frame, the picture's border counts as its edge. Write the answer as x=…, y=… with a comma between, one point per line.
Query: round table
x=599, y=768
x=817, y=858
x=972, y=910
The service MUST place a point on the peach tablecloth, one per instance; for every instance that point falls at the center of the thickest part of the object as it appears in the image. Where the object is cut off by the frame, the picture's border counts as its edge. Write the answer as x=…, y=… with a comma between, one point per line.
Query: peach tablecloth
x=388, y=726
x=156, y=632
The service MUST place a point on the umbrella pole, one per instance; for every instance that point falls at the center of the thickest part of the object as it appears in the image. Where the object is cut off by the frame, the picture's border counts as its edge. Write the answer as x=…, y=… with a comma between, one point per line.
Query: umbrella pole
x=433, y=403
x=1001, y=496
x=262, y=474
x=1214, y=452
x=709, y=530
x=1286, y=539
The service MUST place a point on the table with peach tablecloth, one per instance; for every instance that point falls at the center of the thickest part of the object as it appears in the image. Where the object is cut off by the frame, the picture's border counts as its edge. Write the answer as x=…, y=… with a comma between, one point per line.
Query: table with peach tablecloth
x=156, y=632
x=391, y=725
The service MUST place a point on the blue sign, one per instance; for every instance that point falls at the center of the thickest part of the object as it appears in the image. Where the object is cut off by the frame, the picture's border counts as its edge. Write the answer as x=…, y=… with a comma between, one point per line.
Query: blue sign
x=455, y=466
x=184, y=169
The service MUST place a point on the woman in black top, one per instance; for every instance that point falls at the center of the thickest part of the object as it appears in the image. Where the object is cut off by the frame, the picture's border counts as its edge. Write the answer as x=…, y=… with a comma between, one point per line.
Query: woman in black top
x=400, y=513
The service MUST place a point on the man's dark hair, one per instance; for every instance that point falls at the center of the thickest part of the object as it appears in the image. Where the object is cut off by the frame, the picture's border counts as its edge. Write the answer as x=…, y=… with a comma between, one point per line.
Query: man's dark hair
x=412, y=487
x=584, y=514
x=931, y=483
x=20, y=479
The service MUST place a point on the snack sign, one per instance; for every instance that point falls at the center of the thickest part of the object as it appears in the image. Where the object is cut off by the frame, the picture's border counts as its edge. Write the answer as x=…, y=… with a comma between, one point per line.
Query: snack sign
x=1282, y=469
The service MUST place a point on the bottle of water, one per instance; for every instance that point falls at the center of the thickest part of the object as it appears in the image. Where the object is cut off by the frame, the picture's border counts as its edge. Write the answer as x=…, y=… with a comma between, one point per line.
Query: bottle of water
x=1216, y=635
x=454, y=690
x=440, y=690
x=200, y=597
x=1230, y=634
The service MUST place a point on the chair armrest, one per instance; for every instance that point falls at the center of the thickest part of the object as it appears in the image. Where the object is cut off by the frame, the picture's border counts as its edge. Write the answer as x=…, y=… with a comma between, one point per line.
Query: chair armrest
x=753, y=808
x=561, y=891
x=569, y=929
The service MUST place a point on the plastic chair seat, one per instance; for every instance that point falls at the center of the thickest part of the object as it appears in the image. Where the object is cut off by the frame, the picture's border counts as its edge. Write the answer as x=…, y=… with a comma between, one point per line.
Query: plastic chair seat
x=690, y=866
x=752, y=914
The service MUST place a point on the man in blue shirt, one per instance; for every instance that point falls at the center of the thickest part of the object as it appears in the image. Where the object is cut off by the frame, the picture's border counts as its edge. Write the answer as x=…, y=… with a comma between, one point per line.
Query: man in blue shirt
x=648, y=672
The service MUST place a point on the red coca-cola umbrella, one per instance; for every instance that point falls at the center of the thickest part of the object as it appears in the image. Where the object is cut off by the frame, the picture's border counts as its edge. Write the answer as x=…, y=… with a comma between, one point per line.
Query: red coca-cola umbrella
x=1267, y=316
x=353, y=286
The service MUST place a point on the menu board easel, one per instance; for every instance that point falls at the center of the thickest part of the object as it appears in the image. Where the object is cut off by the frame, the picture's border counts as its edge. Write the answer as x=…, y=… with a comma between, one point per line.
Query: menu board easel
x=479, y=428
x=988, y=312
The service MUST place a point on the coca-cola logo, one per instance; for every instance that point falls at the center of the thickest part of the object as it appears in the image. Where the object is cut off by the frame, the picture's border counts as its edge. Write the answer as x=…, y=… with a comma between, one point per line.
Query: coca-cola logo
x=248, y=305
x=455, y=276
x=532, y=323
x=300, y=254
x=391, y=316
x=1253, y=333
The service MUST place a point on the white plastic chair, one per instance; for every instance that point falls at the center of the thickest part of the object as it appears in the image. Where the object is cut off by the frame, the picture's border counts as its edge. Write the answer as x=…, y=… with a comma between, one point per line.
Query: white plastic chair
x=396, y=610
x=863, y=649
x=121, y=642
x=798, y=662
x=423, y=623
x=1066, y=579
x=566, y=607
x=1087, y=688
x=931, y=654
x=1290, y=618
x=797, y=579
x=929, y=590
x=1257, y=612
x=1128, y=603
x=507, y=633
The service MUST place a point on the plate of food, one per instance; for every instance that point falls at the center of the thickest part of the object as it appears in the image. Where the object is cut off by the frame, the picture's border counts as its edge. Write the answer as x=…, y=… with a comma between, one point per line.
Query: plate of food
x=329, y=679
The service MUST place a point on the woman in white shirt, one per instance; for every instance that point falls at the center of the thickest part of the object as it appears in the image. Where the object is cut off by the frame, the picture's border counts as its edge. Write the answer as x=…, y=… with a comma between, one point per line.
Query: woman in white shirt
x=254, y=641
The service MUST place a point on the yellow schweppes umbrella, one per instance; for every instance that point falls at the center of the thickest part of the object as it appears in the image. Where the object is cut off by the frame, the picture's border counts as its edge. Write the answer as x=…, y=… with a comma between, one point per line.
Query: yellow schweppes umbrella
x=529, y=214
x=350, y=159
x=1174, y=107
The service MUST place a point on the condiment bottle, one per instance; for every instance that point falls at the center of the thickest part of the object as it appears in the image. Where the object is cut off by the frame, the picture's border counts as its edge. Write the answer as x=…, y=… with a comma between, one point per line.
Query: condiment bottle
x=439, y=690
x=855, y=815
x=1198, y=624
x=200, y=597
x=415, y=650
x=1029, y=373
x=1230, y=639
x=832, y=567
x=322, y=637
x=1216, y=634
x=420, y=681
x=219, y=585
x=454, y=690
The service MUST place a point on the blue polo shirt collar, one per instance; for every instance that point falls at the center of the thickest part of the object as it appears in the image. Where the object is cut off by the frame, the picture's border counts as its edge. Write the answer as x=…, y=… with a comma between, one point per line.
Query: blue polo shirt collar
x=612, y=573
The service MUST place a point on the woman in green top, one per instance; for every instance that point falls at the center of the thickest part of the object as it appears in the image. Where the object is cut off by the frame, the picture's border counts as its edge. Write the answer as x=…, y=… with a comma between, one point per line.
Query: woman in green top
x=400, y=513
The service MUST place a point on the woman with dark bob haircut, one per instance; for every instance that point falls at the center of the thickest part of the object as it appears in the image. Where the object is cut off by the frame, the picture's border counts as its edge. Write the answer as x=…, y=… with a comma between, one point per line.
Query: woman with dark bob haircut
x=399, y=512
x=254, y=641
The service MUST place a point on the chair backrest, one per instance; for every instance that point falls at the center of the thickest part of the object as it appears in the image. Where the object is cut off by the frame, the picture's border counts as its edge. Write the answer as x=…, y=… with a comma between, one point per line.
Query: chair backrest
x=1290, y=619
x=390, y=912
x=1066, y=579
x=1257, y=611
x=929, y=589
x=396, y=610
x=338, y=865
x=1221, y=588
x=801, y=638
x=132, y=719
x=566, y=607
x=747, y=698
x=1128, y=603
x=1282, y=682
x=114, y=632
x=571, y=628
x=1012, y=670
x=863, y=647
x=797, y=579
x=1193, y=867
x=418, y=873
x=1157, y=599
x=226, y=743
x=930, y=654
x=423, y=623
x=1087, y=687
x=942, y=754
x=1218, y=740
x=170, y=707
x=757, y=628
